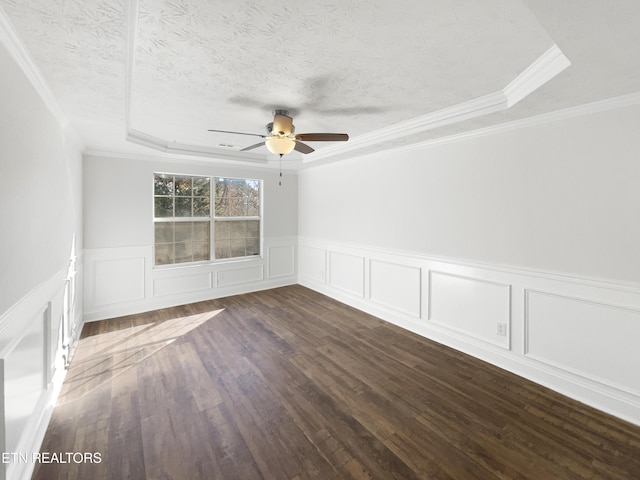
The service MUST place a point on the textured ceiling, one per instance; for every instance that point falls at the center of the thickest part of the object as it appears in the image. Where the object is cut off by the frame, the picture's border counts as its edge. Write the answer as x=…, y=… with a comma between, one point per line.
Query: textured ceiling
x=162, y=72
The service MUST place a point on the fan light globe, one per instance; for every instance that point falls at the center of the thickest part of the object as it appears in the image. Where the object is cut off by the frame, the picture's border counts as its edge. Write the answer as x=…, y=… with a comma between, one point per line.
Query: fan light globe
x=280, y=145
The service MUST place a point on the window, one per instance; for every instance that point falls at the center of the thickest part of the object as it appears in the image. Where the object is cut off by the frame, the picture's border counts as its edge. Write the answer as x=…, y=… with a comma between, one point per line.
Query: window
x=237, y=217
x=184, y=220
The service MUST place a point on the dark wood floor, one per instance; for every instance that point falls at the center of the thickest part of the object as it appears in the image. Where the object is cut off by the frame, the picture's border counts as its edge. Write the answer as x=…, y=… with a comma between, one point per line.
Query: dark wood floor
x=288, y=384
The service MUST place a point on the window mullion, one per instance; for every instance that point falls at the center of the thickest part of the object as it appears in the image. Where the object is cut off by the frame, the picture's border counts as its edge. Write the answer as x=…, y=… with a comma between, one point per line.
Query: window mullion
x=183, y=239
x=182, y=219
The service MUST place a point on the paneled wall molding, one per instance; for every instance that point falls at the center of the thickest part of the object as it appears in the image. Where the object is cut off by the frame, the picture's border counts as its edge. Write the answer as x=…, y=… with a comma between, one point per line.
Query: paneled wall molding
x=410, y=257
x=282, y=258
x=346, y=273
x=587, y=321
x=123, y=281
x=33, y=355
x=395, y=285
x=475, y=307
x=575, y=335
x=312, y=263
x=12, y=321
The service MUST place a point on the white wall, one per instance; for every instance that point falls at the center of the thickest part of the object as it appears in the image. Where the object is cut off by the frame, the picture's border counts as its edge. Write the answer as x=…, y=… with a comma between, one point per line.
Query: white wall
x=41, y=188
x=118, y=218
x=519, y=247
x=560, y=197
x=40, y=218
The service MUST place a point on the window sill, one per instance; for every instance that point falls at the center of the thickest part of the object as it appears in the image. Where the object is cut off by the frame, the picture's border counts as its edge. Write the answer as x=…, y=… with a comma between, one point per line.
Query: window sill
x=208, y=263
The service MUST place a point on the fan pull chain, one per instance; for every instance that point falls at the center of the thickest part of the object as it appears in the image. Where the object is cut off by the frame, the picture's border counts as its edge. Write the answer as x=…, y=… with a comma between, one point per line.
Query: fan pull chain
x=280, y=180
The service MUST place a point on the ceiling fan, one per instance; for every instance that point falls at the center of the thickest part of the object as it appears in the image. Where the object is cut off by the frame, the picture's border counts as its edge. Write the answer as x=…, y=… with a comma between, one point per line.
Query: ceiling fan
x=281, y=139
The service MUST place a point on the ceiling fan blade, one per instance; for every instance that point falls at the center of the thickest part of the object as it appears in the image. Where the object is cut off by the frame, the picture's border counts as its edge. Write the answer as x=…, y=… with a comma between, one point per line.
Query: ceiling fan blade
x=303, y=147
x=252, y=147
x=323, y=137
x=237, y=133
x=282, y=124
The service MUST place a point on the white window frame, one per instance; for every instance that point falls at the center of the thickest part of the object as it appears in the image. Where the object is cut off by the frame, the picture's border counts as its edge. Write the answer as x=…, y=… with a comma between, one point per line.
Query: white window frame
x=212, y=218
x=215, y=218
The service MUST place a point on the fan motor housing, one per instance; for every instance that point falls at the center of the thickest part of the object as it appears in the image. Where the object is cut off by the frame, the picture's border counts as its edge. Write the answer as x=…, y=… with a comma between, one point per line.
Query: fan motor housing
x=271, y=132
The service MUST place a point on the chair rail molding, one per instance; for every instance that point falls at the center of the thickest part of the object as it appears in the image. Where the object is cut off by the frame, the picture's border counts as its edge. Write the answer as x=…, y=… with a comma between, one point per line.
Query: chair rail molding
x=543, y=326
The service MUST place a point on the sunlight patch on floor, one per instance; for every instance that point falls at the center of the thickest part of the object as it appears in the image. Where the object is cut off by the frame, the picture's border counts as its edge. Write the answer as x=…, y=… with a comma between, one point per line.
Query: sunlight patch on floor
x=99, y=358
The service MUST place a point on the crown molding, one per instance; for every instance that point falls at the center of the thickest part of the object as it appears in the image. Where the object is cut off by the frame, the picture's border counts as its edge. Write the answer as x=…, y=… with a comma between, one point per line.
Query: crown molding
x=547, y=66
x=474, y=108
x=146, y=140
x=174, y=148
x=543, y=69
x=17, y=49
x=287, y=166
x=613, y=103
x=541, y=119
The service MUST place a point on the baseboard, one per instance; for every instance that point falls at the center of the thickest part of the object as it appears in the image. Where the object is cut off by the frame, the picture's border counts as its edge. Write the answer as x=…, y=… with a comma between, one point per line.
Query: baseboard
x=531, y=323
x=157, y=303
x=123, y=281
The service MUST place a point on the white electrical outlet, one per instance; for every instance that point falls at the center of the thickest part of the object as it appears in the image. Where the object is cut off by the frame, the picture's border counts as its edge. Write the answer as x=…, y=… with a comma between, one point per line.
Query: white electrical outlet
x=502, y=329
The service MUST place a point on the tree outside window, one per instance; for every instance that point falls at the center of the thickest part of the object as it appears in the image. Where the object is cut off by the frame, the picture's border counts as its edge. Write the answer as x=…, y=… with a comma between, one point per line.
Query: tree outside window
x=184, y=220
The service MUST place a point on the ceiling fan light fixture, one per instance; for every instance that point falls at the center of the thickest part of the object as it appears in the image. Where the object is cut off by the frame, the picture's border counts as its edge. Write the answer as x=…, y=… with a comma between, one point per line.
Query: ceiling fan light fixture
x=280, y=145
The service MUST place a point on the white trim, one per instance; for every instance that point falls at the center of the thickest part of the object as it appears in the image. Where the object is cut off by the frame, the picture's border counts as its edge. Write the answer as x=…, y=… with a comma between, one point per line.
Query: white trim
x=12, y=321
x=544, y=118
x=323, y=244
x=292, y=259
x=506, y=343
x=174, y=148
x=17, y=49
x=543, y=69
x=477, y=107
x=613, y=103
x=34, y=305
x=547, y=66
x=37, y=425
x=238, y=272
x=586, y=384
x=150, y=141
x=288, y=166
x=371, y=297
x=562, y=365
x=293, y=166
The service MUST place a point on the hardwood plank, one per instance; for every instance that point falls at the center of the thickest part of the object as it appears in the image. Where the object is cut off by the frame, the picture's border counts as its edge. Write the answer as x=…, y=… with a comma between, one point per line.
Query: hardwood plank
x=288, y=384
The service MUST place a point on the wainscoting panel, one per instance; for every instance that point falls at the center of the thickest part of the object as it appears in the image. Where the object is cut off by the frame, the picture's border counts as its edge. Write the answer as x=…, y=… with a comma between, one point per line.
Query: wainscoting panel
x=118, y=280
x=53, y=333
x=596, y=340
x=122, y=281
x=346, y=272
x=24, y=379
x=470, y=306
x=312, y=263
x=281, y=261
x=237, y=276
x=182, y=284
x=579, y=337
x=32, y=360
x=395, y=286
